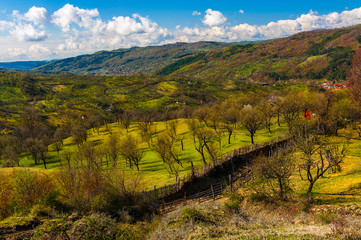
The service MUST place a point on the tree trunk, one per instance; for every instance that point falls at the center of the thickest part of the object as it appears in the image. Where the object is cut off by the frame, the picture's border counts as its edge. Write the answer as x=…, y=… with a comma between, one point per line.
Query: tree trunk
x=44, y=162
x=310, y=187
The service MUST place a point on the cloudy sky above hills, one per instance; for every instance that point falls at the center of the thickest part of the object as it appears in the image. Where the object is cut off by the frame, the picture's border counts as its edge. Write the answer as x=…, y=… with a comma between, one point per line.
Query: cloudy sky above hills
x=36, y=30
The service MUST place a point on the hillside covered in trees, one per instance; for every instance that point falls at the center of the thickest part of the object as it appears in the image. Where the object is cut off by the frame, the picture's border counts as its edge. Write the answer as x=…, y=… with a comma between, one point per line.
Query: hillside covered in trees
x=313, y=55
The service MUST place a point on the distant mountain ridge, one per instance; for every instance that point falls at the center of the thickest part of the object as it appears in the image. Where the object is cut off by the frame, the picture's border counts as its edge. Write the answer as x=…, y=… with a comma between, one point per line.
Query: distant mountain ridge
x=315, y=54
x=135, y=60
x=22, y=65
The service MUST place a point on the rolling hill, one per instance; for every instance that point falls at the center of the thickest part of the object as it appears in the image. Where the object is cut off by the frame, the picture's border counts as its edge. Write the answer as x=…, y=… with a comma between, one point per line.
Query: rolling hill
x=136, y=60
x=312, y=55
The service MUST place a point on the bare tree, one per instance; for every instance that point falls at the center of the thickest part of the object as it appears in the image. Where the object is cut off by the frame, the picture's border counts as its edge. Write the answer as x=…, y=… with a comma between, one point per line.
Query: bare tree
x=147, y=129
x=251, y=119
x=230, y=117
x=126, y=119
x=113, y=148
x=308, y=143
x=165, y=147
x=291, y=107
x=273, y=173
x=66, y=156
x=57, y=146
x=131, y=151
x=10, y=157
x=79, y=133
x=268, y=111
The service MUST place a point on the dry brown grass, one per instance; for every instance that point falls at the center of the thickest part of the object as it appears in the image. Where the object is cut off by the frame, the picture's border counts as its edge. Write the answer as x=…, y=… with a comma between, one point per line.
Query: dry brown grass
x=259, y=221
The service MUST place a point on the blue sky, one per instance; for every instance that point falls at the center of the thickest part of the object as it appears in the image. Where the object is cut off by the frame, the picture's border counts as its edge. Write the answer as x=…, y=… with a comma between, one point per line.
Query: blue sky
x=43, y=29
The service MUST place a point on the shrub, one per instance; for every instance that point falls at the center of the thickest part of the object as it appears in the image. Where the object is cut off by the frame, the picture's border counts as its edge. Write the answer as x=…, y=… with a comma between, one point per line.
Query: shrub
x=5, y=195
x=29, y=188
x=234, y=204
x=327, y=217
x=95, y=226
x=192, y=214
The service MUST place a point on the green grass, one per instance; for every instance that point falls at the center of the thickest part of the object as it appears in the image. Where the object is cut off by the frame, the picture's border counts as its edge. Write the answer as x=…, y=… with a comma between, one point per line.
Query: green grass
x=341, y=187
x=152, y=169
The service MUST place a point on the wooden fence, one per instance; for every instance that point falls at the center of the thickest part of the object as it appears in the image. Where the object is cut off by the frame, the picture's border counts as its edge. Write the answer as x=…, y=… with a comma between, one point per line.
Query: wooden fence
x=165, y=191
x=199, y=197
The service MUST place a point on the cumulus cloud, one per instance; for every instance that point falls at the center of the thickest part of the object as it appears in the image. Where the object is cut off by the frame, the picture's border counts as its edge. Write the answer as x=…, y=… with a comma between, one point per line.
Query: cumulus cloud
x=5, y=26
x=27, y=32
x=37, y=51
x=196, y=13
x=37, y=15
x=69, y=14
x=28, y=26
x=122, y=31
x=214, y=18
x=83, y=31
x=306, y=22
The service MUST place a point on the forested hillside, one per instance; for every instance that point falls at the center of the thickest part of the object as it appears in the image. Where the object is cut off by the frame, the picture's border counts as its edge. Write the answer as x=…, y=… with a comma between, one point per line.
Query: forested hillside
x=136, y=60
x=312, y=55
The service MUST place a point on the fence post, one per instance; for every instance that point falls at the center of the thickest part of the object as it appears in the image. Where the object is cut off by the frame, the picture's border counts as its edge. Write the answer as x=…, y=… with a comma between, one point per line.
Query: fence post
x=212, y=191
x=192, y=168
x=230, y=181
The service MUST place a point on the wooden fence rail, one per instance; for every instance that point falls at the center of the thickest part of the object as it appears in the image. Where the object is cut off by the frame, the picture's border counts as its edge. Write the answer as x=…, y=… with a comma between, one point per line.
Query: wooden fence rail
x=167, y=190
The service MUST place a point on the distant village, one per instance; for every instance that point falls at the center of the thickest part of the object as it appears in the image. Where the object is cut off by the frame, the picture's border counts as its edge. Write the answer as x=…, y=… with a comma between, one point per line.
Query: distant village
x=329, y=85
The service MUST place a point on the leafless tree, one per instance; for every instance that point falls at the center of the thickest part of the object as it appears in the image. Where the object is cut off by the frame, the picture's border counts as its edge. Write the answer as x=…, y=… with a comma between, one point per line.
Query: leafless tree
x=272, y=173
x=309, y=144
x=251, y=119
x=130, y=149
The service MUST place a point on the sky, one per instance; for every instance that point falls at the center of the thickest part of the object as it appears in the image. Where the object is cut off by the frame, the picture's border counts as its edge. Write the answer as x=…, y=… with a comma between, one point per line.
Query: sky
x=48, y=29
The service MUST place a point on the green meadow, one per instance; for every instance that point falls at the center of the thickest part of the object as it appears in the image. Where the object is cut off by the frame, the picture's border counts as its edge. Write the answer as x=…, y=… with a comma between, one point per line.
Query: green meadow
x=152, y=169
x=340, y=187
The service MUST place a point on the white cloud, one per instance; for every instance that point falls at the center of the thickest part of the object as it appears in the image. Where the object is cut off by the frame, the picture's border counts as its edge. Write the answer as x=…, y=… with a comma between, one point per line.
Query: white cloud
x=214, y=18
x=83, y=31
x=119, y=32
x=241, y=11
x=69, y=14
x=37, y=15
x=5, y=26
x=37, y=51
x=27, y=32
x=196, y=13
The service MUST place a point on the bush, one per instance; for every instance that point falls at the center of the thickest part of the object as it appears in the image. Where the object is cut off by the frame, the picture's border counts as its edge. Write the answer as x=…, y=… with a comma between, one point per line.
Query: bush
x=327, y=217
x=41, y=210
x=192, y=214
x=234, y=204
x=29, y=188
x=5, y=195
x=95, y=226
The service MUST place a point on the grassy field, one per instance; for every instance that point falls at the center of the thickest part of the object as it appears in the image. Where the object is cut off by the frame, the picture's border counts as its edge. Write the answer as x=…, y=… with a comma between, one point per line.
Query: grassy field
x=152, y=169
x=342, y=187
